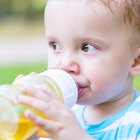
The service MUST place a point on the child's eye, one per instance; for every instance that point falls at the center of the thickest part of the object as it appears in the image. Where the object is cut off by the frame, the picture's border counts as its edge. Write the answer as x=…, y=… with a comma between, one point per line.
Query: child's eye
x=55, y=45
x=88, y=48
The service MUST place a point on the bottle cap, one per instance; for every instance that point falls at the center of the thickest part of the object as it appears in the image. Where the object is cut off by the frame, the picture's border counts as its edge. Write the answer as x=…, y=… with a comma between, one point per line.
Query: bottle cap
x=66, y=83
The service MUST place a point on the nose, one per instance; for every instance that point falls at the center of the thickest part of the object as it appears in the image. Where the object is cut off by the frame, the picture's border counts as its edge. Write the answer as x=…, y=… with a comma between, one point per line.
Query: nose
x=70, y=64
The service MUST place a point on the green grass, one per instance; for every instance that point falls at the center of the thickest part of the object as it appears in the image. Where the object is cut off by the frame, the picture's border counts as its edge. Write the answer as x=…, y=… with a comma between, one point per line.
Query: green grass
x=9, y=73
x=137, y=82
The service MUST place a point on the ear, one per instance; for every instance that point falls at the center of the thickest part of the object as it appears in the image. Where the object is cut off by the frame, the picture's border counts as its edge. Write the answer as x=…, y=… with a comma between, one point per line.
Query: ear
x=135, y=69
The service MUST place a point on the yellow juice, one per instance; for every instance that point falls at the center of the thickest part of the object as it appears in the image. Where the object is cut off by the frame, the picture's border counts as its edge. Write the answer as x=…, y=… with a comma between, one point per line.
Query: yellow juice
x=24, y=130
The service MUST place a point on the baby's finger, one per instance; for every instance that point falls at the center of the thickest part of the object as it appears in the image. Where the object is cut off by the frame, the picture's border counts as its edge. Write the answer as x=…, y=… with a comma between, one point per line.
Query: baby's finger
x=36, y=93
x=49, y=91
x=47, y=108
x=49, y=126
x=42, y=93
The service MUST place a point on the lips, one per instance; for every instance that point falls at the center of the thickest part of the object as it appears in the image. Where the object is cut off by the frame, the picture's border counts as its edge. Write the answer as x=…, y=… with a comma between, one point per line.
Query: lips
x=81, y=90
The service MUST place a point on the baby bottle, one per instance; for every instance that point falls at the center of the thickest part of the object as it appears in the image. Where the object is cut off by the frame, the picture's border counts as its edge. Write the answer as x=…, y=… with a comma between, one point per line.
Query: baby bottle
x=13, y=124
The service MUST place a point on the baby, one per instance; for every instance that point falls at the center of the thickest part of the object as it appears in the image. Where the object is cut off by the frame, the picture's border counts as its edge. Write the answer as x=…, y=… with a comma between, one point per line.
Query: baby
x=98, y=43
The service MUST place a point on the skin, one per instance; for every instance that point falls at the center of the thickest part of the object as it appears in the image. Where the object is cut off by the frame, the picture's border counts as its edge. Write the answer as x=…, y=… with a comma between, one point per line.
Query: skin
x=93, y=46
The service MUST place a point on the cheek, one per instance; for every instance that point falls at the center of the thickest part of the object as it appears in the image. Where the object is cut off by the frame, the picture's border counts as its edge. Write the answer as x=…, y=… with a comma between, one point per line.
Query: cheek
x=108, y=83
x=53, y=61
x=103, y=77
x=103, y=87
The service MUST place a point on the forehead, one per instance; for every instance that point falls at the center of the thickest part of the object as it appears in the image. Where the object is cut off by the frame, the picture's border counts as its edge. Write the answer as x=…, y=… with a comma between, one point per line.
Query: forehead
x=80, y=11
x=95, y=6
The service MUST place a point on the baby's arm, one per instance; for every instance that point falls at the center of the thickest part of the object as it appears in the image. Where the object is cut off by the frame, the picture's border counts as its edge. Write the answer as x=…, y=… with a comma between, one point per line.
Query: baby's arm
x=61, y=123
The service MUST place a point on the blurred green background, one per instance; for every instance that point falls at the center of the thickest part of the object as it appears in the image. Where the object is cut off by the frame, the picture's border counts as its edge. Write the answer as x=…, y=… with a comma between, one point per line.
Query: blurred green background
x=22, y=39
x=25, y=8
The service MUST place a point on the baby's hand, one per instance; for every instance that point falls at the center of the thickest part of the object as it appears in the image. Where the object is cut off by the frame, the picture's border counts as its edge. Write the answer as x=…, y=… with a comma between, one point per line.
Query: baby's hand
x=57, y=120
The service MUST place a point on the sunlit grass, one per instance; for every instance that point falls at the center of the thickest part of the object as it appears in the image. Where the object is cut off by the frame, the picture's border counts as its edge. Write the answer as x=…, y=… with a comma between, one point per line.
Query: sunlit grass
x=137, y=82
x=9, y=73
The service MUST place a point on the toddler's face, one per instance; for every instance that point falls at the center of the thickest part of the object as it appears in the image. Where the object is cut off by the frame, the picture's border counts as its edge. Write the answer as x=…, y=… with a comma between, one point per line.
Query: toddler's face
x=90, y=43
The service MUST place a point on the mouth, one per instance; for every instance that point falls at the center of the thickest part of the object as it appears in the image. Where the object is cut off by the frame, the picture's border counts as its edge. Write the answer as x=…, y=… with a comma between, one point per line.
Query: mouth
x=81, y=90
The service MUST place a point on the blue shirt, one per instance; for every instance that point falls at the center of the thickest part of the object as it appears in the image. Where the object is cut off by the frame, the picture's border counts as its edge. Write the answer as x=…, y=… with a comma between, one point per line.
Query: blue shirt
x=124, y=125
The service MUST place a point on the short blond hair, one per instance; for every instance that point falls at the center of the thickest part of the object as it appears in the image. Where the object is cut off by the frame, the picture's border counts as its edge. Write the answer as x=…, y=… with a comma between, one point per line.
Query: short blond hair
x=131, y=10
x=131, y=13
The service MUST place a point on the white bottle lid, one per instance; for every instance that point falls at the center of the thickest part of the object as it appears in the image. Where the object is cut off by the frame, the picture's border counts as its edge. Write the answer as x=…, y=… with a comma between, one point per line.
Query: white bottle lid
x=65, y=83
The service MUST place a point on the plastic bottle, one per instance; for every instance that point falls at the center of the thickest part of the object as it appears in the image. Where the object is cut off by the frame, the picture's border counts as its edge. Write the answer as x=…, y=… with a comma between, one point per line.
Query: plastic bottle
x=13, y=124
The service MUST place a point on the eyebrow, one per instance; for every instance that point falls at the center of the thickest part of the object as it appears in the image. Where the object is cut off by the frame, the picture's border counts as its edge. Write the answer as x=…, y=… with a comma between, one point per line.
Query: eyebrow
x=50, y=37
x=92, y=40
